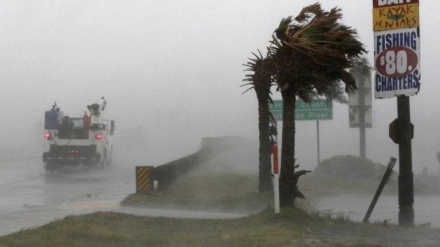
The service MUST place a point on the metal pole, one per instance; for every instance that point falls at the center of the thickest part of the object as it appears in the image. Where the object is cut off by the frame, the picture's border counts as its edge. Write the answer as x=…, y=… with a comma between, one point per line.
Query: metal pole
x=406, y=182
x=362, y=111
x=317, y=137
x=387, y=174
x=276, y=178
x=276, y=189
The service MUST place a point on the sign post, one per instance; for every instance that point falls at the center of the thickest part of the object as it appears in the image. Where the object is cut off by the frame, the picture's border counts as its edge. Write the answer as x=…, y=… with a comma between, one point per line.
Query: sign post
x=276, y=178
x=406, y=177
x=360, y=105
x=397, y=64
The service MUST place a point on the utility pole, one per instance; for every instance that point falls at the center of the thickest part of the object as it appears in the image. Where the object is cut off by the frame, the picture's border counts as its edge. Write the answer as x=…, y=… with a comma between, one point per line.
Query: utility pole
x=405, y=132
x=362, y=111
x=317, y=141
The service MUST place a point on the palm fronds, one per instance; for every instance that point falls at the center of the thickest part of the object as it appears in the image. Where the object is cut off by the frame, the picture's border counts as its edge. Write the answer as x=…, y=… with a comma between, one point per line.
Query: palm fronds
x=313, y=52
x=260, y=79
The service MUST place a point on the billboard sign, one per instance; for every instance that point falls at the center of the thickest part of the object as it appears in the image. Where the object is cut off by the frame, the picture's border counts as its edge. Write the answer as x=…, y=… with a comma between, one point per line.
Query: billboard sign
x=276, y=108
x=396, y=48
x=397, y=62
x=362, y=96
x=389, y=14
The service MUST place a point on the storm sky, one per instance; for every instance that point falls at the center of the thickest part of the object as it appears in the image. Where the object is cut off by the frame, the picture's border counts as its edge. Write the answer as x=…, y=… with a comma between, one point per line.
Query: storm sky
x=171, y=70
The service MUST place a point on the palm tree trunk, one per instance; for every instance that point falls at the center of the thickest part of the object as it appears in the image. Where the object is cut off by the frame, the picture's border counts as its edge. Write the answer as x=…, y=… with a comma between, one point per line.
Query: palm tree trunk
x=265, y=165
x=287, y=179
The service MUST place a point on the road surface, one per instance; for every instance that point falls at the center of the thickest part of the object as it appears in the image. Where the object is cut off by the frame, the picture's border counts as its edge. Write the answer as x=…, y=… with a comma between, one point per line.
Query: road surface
x=30, y=197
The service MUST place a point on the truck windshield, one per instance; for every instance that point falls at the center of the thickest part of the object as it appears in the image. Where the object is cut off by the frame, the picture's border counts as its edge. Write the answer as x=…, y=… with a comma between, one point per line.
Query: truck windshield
x=77, y=122
x=73, y=128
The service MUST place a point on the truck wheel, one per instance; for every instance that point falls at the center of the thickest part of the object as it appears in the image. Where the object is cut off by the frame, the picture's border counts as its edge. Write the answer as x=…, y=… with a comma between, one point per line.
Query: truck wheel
x=49, y=166
x=103, y=163
x=110, y=159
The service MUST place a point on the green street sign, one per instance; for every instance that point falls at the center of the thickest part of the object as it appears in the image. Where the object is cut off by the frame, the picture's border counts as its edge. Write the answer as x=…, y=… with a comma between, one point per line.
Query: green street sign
x=317, y=109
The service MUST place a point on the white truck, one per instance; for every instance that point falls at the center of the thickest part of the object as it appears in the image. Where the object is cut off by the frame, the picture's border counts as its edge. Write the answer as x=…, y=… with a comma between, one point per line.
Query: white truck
x=73, y=141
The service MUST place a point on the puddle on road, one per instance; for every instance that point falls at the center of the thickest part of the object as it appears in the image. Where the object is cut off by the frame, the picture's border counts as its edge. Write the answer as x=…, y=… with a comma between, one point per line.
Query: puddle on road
x=97, y=205
x=31, y=216
x=158, y=212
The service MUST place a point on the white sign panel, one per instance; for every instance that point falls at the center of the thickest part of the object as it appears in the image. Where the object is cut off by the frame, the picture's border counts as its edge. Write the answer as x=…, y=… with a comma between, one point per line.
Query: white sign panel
x=361, y=96
x=397, y=62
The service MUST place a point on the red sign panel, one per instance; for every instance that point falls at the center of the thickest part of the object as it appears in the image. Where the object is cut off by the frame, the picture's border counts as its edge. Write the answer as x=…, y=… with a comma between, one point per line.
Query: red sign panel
x=388, y=3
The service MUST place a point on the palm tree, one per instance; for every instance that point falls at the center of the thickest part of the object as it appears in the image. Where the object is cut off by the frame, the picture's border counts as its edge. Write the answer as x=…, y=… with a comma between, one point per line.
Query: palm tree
x=312, y=53
x=261, y=81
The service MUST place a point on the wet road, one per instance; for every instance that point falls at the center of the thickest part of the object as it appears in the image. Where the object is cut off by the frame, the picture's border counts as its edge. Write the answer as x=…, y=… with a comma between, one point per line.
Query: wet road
x=30, y=197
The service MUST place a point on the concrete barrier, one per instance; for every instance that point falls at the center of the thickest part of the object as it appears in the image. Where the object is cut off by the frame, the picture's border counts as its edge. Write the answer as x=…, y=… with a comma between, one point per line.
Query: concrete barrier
x=167, y=174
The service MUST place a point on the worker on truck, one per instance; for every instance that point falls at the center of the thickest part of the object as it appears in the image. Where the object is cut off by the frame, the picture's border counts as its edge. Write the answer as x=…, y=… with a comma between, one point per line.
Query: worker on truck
x=96, y=113
x=66, y=128
x=86, y=125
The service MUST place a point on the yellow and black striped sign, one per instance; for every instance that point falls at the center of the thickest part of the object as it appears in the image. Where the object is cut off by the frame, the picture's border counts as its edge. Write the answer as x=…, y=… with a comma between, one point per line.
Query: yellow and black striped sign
x=144, y=179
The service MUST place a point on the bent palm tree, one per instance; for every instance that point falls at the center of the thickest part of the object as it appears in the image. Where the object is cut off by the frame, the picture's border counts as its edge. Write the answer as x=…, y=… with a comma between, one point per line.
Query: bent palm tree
x=311, y=53
x=261, y=81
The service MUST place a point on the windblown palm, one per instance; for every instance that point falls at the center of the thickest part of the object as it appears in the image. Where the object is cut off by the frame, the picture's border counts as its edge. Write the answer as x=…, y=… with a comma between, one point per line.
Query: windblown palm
x=361, y=68
x=312, y=53
x=261, y=81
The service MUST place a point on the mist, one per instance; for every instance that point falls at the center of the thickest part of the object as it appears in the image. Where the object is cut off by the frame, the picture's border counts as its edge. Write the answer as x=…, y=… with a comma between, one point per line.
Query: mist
x=170, y=73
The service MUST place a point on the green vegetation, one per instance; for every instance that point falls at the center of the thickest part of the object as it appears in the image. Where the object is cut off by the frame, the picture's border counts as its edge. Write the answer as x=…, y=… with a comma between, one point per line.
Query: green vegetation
x=307, y=58
x=207, y=191
x=261, y=80
x=217, y=187
x=293, y=227
x=312, y=52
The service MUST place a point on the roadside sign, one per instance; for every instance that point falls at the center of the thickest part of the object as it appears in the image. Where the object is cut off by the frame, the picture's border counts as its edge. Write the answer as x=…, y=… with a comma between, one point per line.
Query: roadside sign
x=393, y=130
x=354, y=117
x=360, y=102
x=144, y=181
x=397, y=62
x=276, y=108
x=396, y=48
x=389, y=14
x=317, y=109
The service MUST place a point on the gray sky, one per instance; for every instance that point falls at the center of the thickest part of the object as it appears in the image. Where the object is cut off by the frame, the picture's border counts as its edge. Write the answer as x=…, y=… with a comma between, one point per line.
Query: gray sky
x=171, y=72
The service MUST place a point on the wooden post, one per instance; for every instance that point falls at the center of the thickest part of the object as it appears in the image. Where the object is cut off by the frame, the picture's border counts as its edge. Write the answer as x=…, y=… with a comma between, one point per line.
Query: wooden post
x=406, y=178
x=276, y=177
x=317, y=140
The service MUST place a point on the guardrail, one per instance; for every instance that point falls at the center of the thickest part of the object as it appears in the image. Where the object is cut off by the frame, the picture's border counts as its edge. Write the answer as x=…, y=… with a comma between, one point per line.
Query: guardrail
x=167, y=174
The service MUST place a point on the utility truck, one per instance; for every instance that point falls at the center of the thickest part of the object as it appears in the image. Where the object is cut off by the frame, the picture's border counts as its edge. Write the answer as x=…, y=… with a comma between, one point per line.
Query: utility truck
x=72, y=141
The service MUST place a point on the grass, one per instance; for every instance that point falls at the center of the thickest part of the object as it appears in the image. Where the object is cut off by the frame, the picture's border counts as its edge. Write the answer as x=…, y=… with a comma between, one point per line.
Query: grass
x=228, y=191
x=292, y=227
x=209, y=192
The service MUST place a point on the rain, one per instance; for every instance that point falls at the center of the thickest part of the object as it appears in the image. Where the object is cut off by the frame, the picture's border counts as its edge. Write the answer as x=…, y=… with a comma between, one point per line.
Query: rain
x=171, y=74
